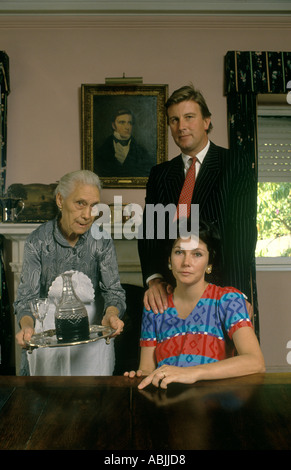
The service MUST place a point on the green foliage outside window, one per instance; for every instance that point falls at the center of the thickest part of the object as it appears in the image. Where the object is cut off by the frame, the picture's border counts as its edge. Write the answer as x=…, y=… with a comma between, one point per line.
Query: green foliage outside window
x=274, y=219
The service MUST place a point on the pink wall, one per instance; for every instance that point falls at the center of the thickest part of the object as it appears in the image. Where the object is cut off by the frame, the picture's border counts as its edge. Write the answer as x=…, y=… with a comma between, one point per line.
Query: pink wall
x=275, y=317
x=50, y=57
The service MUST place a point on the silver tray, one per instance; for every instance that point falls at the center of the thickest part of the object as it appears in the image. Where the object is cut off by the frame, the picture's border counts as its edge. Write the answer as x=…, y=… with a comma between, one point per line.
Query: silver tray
x=49, y=339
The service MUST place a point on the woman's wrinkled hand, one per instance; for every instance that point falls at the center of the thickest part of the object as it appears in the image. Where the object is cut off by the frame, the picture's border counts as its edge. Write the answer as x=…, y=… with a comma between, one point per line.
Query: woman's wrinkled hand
x=26, y=332
x=112, y=319
x=24, y=335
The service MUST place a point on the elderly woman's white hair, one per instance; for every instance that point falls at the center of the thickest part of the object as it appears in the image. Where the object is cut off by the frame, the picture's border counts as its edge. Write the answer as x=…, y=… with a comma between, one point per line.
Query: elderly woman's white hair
x=67, y=183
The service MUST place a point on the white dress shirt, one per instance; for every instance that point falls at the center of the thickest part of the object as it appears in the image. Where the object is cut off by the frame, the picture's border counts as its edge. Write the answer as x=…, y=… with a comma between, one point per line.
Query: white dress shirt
x=200, y=157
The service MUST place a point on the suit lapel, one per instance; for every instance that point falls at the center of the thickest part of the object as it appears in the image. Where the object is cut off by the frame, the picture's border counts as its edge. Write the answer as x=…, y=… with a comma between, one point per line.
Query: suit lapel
x=207, y=176
x=173, y=179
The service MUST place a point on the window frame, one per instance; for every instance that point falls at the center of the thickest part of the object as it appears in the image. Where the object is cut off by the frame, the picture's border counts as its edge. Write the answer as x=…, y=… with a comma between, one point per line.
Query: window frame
x=273, y=263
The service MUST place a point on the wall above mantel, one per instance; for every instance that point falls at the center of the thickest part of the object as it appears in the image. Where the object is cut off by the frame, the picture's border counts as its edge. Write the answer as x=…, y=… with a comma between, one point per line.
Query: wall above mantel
x=146, y=7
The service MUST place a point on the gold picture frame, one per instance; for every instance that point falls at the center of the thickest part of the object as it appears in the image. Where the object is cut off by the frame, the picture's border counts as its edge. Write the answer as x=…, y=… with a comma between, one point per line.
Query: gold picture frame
x=142, y=112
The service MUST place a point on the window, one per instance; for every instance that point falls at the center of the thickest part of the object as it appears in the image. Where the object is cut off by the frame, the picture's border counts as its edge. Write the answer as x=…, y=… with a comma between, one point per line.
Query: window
x=274, y=186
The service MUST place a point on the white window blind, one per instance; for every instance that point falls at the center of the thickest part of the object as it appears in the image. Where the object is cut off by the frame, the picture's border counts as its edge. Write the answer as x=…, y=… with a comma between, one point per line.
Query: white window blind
x=274, y=148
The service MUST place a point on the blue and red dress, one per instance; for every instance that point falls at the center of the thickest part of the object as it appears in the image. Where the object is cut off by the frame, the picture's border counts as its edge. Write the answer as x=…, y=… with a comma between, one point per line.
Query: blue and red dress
x=204, y=336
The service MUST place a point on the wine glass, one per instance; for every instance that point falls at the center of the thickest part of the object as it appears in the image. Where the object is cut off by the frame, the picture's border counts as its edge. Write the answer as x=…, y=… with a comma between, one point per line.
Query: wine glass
x=39, y=308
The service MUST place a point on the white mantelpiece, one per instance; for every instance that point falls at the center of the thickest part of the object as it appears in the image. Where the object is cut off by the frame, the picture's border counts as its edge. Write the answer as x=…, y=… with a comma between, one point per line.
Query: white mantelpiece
x=17, y=233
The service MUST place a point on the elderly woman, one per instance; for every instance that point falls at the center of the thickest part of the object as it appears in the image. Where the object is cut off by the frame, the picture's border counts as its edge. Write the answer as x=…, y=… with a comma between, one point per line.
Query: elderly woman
x=68, y=243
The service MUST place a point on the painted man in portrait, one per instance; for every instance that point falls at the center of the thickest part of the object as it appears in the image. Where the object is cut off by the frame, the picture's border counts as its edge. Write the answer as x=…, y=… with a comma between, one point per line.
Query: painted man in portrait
x=120, y=155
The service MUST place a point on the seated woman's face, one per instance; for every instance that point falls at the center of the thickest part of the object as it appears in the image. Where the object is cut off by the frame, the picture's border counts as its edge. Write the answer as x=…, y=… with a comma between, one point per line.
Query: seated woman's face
x=189, y=260
x=77, y=208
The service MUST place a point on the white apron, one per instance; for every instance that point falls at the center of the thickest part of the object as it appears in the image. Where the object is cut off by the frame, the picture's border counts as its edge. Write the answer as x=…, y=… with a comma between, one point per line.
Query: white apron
x=96, y=358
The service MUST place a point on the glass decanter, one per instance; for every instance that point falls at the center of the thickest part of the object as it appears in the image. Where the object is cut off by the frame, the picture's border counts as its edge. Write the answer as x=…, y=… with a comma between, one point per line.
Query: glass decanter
x=71, y=317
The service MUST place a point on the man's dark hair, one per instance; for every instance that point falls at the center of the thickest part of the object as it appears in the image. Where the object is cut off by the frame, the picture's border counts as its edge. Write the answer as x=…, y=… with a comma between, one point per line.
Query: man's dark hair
x=120, y=112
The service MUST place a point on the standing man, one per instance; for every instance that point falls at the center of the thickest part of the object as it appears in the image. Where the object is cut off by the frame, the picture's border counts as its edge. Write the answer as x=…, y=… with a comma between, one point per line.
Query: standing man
x=223, y=189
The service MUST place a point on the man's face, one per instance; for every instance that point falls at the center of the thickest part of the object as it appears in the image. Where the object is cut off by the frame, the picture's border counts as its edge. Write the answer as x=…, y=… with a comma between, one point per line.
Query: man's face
x=123, y=125
x=188, y=127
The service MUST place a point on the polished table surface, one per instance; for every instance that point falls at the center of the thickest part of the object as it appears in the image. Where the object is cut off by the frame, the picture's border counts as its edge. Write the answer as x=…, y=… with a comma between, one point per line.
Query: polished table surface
x=111, y=414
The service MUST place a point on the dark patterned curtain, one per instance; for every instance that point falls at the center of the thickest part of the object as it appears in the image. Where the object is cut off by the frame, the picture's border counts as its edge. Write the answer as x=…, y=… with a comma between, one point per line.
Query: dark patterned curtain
x=6, y=342
x=4, y=92
x=247, y=74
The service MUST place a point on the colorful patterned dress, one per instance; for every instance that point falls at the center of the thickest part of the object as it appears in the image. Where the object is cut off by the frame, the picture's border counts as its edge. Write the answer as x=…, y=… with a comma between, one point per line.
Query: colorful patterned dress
x=204, y=336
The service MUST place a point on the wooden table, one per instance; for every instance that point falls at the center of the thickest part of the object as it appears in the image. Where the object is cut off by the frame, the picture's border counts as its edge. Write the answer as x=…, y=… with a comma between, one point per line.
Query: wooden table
x=111, y=414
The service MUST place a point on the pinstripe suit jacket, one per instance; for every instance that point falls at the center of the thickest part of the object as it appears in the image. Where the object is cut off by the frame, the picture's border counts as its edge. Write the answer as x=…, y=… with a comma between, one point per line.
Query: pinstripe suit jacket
x=225, y=190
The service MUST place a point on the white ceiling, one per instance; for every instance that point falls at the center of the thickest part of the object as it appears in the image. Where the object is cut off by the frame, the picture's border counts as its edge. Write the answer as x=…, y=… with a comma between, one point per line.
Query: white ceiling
x=148, y=7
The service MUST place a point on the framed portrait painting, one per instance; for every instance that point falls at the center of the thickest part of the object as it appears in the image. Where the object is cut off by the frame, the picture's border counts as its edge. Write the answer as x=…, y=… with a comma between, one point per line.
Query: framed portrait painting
x=124, y=132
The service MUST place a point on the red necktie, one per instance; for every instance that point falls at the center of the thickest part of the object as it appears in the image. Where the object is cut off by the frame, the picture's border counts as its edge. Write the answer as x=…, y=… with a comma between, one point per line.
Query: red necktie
x=187, y=191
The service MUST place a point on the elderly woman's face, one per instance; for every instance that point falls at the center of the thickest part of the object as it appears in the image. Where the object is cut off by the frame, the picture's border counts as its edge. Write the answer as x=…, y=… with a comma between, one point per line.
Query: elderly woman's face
x=76, y=210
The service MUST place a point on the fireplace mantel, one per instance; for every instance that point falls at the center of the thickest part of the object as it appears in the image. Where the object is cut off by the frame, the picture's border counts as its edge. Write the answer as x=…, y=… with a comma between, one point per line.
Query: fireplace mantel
x=17, y=234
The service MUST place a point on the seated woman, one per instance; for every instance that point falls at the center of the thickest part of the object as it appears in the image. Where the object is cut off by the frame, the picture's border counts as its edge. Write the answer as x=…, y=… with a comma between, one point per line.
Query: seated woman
x=205, y=333
x=68, y=243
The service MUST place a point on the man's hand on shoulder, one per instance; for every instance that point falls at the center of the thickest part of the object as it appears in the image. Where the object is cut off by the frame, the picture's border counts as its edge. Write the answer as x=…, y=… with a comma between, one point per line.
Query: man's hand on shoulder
x=155, y=298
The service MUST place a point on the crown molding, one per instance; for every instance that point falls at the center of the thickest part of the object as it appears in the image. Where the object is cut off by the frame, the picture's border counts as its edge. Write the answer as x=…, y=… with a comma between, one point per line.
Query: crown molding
x=146, y=7
x=146, y=22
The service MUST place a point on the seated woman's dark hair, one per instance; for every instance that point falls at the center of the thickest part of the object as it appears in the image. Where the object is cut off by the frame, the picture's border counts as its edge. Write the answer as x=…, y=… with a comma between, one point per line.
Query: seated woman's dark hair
x=207, y=233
